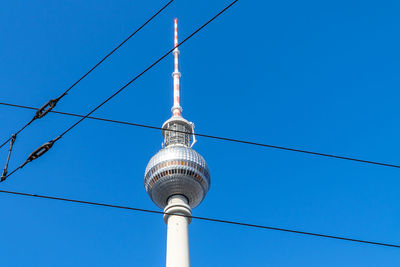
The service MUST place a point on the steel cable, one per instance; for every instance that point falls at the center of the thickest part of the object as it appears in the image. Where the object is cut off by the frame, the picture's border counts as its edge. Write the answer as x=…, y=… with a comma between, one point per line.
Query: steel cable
x=204, y=219
x=216, y=137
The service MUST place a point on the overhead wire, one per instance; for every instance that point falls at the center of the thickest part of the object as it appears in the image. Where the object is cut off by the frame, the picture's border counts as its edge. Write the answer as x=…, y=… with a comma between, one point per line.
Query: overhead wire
x=52, y=105
x=202, y=218
x=53, y=102
x=45, y=147
x=216, y=137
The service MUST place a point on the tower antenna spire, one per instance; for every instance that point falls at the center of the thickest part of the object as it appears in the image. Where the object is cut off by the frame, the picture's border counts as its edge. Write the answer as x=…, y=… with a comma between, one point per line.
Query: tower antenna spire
x=176, y=108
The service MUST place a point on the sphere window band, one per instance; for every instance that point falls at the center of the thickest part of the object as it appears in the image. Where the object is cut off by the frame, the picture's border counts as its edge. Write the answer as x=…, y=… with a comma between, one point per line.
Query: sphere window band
x=174, y=163
x=175, y=171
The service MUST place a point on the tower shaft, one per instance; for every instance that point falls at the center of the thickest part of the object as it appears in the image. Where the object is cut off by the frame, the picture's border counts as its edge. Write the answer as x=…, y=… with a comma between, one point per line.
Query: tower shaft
x=177, y=233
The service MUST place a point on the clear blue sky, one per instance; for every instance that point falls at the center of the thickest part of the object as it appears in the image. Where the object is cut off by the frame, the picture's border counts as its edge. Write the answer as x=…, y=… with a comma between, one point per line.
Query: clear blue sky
x=316, y=75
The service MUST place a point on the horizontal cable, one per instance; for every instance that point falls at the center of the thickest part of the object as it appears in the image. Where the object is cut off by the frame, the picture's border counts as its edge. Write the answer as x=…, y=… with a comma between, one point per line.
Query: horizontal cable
x=202, y=218
x=52, y=103
x=214, y=137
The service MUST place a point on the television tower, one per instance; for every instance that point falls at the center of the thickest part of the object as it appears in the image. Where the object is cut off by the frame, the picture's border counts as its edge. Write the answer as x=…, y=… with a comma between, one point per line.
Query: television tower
x=177, y=178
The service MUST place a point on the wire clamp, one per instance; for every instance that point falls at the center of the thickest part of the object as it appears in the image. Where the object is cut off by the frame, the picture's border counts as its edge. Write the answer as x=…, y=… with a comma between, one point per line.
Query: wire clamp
x=38, y=152
x=46, y=108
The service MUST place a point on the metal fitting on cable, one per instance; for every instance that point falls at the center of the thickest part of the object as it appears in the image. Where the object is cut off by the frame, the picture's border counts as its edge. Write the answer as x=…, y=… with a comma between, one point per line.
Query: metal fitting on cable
x=46, y=108
x=38, y=152
x=5, y=170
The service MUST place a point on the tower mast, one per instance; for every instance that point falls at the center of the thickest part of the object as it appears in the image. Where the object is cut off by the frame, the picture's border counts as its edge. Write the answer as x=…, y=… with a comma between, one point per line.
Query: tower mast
x=176, y=109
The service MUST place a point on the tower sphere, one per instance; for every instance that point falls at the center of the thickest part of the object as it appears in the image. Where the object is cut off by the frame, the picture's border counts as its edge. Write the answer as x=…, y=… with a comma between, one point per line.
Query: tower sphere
x=177, y=170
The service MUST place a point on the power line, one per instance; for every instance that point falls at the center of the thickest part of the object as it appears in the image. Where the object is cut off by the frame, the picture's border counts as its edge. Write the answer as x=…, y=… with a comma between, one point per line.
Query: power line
x=202, y=218
x=53, y=102
x=46, y=147
x=215, y=137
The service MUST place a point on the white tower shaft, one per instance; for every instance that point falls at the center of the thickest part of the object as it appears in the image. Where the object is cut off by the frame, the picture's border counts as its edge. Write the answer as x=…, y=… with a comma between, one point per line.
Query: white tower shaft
x=177, y=233
x=176, y=109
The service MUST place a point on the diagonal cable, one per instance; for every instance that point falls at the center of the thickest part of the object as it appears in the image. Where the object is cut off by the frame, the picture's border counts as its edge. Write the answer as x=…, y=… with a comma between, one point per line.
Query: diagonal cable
x=216, y=137
x=53, y=102
x=204, y=219
x=46, y=147
x=145, y=70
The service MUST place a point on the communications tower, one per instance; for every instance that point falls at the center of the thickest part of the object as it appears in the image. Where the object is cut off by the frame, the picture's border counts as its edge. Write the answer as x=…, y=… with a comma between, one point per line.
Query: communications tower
x=177, y=178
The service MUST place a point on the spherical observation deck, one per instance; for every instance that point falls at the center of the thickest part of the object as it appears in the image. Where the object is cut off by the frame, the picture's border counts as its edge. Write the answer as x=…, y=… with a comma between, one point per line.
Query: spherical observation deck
x=177, y=170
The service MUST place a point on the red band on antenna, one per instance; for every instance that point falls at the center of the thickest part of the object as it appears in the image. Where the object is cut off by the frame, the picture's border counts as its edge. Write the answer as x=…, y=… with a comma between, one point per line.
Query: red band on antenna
x=176, y=109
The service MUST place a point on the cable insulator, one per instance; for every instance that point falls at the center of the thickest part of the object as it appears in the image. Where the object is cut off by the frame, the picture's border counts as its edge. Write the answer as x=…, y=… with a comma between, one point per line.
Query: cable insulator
x=40, y=151
x=46, y=108
x=5, y=170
